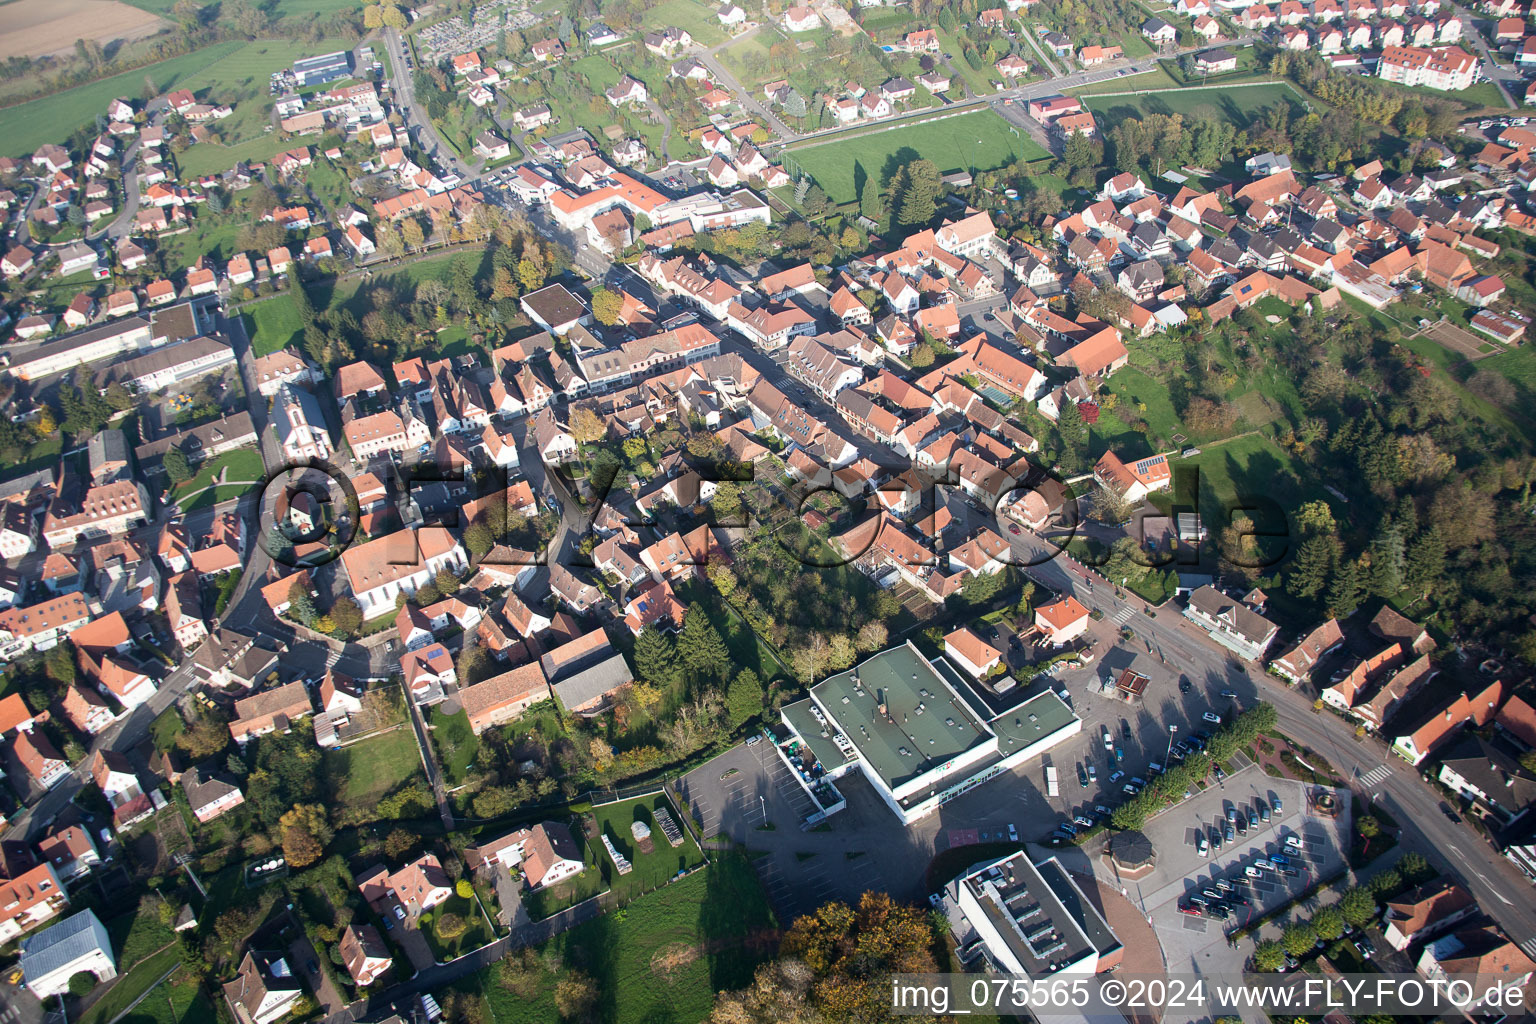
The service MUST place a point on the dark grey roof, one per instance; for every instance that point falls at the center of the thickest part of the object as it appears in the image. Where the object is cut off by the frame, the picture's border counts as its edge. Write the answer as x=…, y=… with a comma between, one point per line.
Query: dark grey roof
x=592, y=683
x=554, y=305
x=204, y=784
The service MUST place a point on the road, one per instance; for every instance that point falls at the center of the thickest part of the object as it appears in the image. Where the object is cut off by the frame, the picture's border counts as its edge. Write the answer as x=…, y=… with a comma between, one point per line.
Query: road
x=1495, y=71
x=752, y=104
x=1500, y=888
x=415, y=114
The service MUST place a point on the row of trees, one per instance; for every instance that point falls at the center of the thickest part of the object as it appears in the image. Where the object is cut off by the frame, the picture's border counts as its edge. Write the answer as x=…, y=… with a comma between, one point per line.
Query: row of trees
x=1356, y=908
x=1241, y=732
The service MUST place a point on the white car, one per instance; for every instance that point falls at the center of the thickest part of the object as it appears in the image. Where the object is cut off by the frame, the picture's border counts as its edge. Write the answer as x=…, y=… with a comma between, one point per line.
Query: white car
x=1211, y=716
x=1203, y=847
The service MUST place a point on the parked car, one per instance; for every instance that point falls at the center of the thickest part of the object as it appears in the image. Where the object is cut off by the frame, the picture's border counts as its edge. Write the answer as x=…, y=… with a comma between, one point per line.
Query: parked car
x=1013, y=834
x=1231, y=834
x=1116, y=776
x=1229, y=694
x=1211, y=716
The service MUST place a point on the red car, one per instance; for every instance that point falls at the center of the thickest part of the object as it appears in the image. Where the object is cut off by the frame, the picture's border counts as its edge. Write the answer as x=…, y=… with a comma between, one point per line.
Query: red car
x=1013, y=528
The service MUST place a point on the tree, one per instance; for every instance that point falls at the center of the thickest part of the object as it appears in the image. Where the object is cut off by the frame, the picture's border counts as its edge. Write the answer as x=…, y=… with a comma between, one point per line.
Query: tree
x=872, y=637
x=780, y=993
x=1308, y=575
x=915, y=191
x=656, y=659
x=346, y=615
x=464, y=888
x=398, y=843
x=606, y=304
x=852, y=951
x=699, y=645
x=450, y=926
x=744, y=698
x=306, y=832
x=81, y=983
x=575, y=996
x=1111, y=507
x=587, y=426
x=1358, y=906
x=1415, y=868
x=1328, y=923
x=479, y=539
x=1368, y=826
x=176, y=468
x=447, y=583
x=1298, y=938
x=921, y=357
x=205, y=737
x=1268, y=956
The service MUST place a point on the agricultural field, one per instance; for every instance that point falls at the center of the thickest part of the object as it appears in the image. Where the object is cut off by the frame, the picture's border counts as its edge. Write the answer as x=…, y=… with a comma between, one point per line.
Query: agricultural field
x=40, y=30
x=26, y=126
x=279, y=8
x=1237, y=104
x=662, y=959
x=230, y=72
x=976, y=141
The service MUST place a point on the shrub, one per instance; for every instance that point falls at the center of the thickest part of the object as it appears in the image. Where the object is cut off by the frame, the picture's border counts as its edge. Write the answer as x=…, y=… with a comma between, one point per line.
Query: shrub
x=81, y=982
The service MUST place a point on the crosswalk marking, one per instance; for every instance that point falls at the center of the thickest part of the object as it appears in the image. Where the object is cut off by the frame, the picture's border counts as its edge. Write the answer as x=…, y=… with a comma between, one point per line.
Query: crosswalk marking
x=1375, y=775
x=1122, y=615
x=1529, y=945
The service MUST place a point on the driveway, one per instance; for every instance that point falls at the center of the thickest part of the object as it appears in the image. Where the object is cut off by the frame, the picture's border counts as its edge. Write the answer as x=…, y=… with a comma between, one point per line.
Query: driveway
x=302, y=952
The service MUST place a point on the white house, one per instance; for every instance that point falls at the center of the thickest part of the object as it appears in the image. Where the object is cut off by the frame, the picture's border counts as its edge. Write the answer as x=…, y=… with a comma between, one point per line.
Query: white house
x=54, y=955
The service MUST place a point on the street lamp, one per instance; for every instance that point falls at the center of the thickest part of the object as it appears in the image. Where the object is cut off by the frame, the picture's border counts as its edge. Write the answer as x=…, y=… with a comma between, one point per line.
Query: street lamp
x=1168, y=756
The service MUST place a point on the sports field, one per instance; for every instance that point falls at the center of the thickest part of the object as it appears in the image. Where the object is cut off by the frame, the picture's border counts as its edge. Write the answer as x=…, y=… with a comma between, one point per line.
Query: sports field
x=978, y=141
x=1237, y=104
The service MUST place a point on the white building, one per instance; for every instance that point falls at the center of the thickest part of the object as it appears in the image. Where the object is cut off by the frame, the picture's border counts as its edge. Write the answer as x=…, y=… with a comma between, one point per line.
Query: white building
x=54, y=955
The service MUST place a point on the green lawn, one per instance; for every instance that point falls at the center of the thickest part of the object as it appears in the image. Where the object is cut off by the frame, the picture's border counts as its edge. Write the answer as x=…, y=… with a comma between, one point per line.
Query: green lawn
x=455, y=743
x=211, y=157
x=364, y=772
x=977, y=77
x=734, y=57
x=1250, y=467
x=179, y=999
x=26, y=126
x=1238, y=105
x=273, y=324
x=132, y=984
x=981, y=140
x=1136, y=389
x=164, y=729
x=650, y=869
x=215, y=495
x=660, y=960
x=136, y=935
x=699, y=20
x=242, y=463
x=476, y=935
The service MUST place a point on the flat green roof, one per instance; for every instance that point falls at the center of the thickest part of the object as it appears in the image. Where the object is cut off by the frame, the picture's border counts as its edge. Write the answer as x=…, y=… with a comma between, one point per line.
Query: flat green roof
x=1032, y=721
x=800, y=718
x=926, y=725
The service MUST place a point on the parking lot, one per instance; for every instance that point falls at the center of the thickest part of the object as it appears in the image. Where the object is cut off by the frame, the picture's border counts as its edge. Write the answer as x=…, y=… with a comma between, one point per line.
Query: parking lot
x=1182, y=875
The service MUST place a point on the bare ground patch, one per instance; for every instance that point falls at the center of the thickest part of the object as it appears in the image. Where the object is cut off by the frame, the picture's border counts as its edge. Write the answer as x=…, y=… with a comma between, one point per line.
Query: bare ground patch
x=1464, y=343
x=40, y=29
x=673, y=957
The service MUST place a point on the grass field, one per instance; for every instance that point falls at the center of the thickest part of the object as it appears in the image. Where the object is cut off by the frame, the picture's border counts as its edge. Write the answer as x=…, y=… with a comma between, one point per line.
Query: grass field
x=455, y=742
x=132, y=984
x=700, y=21
x=242, y=463
x=164, y=729
x=660, y=960
x=651, y=870
x=973, y=141
x=1238, y=105
x=27, y=126
x=272, y=324
x=364, y=772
